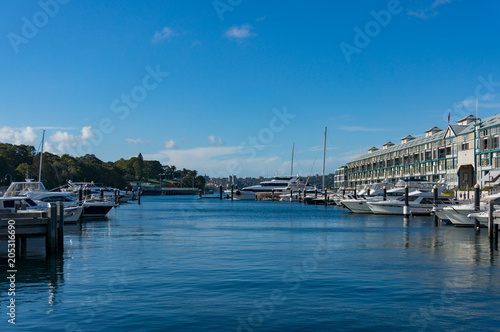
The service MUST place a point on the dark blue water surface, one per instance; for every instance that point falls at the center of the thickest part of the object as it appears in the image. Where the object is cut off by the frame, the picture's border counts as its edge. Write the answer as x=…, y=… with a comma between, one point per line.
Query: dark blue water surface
x=184, y=264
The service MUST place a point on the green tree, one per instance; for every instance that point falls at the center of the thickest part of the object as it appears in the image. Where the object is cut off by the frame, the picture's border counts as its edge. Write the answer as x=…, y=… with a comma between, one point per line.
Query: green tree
x=139, y=167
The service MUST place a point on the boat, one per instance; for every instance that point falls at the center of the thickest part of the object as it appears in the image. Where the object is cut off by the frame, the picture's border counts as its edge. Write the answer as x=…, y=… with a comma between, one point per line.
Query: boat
x=278, y=185
x=374, y=193
x=36, y=191
x=460, y=215
x=420, y=203
x=99, y=192
x=71, y=213
x=359, y=204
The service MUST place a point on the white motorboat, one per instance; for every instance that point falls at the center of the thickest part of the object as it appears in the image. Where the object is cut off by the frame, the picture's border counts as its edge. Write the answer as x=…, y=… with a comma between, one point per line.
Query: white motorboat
x=482, y=217
x=420, y=203
x=359, y=204
x=98, y=192
x=374, y=193
x=278, y=184
x=71, y=213
x=37, y=192
x=459, y=215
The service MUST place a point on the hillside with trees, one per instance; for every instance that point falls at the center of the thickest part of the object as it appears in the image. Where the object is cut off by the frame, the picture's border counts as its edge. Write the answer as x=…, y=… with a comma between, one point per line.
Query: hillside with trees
x=19, y=161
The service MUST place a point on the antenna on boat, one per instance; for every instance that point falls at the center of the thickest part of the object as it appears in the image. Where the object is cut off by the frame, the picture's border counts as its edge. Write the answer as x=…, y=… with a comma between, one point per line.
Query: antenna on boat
x=41, y=158
x=293, y=150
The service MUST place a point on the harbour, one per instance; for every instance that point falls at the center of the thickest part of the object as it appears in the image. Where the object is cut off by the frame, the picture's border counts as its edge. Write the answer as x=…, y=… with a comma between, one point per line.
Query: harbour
x=250, y=166
x=259, y=266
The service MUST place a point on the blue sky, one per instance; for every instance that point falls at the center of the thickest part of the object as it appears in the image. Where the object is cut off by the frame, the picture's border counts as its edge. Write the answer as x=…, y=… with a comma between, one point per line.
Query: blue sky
x=229, y=86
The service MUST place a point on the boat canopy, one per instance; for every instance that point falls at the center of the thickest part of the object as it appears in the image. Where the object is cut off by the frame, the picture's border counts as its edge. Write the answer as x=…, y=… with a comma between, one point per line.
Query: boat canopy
x=23, y=188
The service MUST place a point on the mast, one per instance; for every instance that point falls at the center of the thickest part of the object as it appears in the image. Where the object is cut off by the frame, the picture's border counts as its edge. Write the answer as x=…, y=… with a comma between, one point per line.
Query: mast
x=324, y=160
x=293, y=150
x=41, y=158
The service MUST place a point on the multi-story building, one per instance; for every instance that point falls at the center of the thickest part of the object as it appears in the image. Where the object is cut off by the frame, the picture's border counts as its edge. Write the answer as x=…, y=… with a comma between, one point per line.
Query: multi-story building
x=340, y=178
x=462, y=155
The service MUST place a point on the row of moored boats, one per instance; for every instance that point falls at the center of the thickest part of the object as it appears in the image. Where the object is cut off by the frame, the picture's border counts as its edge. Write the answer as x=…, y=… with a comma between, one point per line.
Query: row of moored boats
x=378, y=198
x=80, y=200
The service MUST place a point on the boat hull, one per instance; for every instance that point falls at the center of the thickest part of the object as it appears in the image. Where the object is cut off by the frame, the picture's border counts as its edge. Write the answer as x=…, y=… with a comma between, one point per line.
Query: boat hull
x=357, y=205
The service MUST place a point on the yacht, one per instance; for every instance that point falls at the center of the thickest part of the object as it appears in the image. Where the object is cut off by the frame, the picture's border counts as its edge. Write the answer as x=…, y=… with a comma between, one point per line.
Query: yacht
x=278, y=185
x=374, y=192
x=420, y=203
x=359, y=204
x=71, y=213
x=38, y=193
x=459, y=215
x=96, y=191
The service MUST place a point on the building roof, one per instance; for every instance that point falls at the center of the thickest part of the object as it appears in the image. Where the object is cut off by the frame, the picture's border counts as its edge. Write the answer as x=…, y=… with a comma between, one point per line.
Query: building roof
x=458, y=130
x=433, y=129
x=389, y=144
x=468, y=117
x=408, y=137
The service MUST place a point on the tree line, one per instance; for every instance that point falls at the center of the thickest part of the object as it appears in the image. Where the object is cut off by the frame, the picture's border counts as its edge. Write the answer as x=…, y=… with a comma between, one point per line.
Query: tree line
x=18, y=162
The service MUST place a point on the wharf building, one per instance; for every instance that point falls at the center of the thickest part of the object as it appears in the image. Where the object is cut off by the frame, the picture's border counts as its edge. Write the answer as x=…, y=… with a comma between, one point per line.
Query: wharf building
x=340, y=178
x=461, y=155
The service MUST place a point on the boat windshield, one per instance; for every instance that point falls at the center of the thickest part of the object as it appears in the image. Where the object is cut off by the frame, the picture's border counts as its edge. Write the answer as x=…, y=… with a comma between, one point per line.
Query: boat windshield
x=23, y=188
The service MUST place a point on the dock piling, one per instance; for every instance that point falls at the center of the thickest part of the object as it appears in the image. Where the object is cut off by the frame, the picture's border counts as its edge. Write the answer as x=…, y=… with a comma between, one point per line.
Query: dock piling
x=60, y=229
x=51, y=238
x=220, y=192
x=491, y=219
x=435, y=196
x=406, y=208
x=232, y=192
x=385, y=194
x=476, y=205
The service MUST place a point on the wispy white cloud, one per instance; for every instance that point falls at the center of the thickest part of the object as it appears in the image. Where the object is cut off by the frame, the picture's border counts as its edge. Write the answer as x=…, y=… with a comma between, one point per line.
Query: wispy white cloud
x=196, y=43
x=359, y=128
x=217, y=141
x=429, y=11
x=170, y=144
x=240, y=32
x=260, y=19
x=220, y=161
x=135, y=141
x=437, y=3
x=163, y=34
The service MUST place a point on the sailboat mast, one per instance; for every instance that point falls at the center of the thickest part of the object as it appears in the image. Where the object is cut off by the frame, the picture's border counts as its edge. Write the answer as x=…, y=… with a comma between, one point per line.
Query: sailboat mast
x=324, y=160
x=41, y=158
x=293, y=150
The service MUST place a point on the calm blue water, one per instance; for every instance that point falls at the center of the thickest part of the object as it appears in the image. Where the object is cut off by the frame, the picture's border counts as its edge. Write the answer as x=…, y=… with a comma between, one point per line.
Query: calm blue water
x=184, y=264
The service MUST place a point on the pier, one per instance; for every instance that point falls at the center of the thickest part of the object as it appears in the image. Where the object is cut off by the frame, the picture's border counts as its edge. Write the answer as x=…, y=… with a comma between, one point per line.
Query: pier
x=19, y=225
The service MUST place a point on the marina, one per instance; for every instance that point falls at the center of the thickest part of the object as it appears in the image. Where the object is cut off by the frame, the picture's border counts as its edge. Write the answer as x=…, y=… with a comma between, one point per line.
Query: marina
x=250, y=166
x=249, y=265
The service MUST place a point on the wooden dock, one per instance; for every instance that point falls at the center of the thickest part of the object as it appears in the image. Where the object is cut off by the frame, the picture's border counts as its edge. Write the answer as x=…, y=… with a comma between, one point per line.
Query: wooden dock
x=20, y=225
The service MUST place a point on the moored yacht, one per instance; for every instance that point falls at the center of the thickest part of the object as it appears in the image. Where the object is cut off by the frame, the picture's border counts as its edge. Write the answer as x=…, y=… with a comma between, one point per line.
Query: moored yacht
x=420, y=203
x=374, y=192
x=38, y=193
x=460, y=215
x=278, y=185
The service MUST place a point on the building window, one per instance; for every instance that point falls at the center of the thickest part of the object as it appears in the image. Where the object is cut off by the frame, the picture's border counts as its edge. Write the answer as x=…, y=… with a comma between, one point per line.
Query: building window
x=484, y=144
x=495, y=143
